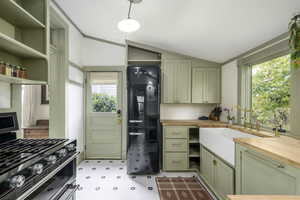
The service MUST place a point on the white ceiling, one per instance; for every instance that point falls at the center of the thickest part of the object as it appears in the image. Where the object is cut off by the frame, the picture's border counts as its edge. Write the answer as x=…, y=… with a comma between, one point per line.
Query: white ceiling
x=215, y=30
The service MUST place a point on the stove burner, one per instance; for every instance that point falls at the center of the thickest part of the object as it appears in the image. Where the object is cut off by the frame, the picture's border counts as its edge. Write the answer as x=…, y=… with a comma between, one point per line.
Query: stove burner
x=16, y=152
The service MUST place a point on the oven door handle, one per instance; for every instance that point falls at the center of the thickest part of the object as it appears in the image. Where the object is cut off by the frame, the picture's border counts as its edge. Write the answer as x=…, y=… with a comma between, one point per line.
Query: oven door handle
x=68, y=192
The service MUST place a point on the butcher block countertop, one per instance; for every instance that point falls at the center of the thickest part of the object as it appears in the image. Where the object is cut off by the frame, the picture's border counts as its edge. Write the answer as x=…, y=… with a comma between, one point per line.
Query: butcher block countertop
x=262, y=197
x=283, y=148
x=215, y=124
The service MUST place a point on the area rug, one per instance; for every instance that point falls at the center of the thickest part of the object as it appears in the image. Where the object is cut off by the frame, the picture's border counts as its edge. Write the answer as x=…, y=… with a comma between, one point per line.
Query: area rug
x=181, y=189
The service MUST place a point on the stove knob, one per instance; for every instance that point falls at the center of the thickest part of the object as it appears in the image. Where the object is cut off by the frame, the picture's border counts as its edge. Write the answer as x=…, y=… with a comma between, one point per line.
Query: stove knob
x=61, y=153
x=17, y=181
x=71, y=147
x=51, y=159
x=37, y=168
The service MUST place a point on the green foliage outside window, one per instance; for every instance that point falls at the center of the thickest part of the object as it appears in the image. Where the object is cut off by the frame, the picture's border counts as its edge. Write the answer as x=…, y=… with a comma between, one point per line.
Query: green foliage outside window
x=271, y=89
x=104, y=103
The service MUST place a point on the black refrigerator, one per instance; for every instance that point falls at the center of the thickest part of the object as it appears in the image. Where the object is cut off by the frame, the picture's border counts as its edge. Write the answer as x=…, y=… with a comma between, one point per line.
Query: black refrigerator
x=144, y=129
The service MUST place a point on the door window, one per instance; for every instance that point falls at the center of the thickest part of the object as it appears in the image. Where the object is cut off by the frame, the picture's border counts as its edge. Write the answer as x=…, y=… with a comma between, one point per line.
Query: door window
x=104, y=91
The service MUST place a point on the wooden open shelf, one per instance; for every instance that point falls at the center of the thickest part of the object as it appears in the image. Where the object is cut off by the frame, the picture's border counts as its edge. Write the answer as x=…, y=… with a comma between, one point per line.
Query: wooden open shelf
x=15, y=47
x=20, y=81
x=16, y=15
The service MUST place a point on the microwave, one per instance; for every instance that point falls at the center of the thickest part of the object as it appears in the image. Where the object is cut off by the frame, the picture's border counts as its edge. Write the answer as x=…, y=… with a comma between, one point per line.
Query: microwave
x=8, y=122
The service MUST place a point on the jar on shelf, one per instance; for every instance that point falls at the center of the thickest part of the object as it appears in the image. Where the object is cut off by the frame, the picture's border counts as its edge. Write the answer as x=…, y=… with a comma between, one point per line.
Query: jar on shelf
x=8, y=69
x=2, y=67
x=23, y=72
x=14, y=71
x=18, y=68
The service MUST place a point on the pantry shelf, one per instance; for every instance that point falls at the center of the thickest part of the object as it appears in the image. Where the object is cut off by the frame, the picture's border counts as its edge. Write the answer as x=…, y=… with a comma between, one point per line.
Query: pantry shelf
x=20, y=81
x=17, y=48
x=12, y=12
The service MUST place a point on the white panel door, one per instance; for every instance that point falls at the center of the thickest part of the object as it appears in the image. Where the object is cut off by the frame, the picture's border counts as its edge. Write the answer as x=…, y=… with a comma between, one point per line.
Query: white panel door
x=104, y=123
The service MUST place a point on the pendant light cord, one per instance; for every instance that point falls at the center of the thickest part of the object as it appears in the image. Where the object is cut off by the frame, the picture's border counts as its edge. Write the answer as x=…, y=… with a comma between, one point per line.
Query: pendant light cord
x=129, y=9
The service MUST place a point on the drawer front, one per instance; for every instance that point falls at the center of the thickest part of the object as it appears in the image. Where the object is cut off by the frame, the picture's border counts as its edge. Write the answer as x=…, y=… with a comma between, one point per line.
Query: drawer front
x=176, y=132
x=176, y=161
x=176, y=145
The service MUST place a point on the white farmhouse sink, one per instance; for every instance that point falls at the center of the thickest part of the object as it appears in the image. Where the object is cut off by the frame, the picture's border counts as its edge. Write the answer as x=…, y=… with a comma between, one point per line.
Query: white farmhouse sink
x=220, y=141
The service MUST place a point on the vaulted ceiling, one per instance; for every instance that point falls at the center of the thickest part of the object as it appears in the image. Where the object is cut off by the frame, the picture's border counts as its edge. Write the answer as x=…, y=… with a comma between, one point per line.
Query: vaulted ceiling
x=215, y=30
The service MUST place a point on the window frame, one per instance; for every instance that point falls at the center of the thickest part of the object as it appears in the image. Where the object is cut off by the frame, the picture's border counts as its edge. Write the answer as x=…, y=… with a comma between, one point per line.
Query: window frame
x=245, y=87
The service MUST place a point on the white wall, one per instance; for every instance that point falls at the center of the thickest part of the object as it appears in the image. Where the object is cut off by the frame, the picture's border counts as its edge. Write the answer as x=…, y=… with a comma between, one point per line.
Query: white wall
x=229, y=86
x=33, y=109
x=184, y=111
x=97, y=53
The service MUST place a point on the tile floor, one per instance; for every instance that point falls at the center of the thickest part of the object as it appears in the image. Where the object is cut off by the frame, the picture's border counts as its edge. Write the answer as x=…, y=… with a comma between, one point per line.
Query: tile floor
x=107, y=179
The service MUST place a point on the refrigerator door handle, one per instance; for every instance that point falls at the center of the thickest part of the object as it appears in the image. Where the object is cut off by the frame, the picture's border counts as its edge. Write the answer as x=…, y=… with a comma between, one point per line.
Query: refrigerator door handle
x=132, y=133
x=135, y=121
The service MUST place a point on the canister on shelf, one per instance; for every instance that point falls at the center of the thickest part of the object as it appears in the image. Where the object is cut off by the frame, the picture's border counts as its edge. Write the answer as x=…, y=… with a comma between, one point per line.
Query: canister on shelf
x=8, y=69
x=18, y=68
x=23, y=72
x=2, y=67
x=14, y=71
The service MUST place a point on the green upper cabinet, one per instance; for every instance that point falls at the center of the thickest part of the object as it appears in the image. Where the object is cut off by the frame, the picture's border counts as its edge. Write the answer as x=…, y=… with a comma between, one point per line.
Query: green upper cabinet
x=206, y=85
x=258, y=174
x=177, y=81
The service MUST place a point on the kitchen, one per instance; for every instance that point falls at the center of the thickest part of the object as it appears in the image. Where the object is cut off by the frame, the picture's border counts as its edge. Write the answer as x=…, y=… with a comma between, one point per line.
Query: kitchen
x=109, y=99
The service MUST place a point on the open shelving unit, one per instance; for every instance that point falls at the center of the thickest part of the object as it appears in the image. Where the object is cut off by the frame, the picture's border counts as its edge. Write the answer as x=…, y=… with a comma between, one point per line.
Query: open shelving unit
x=142, y=56
x=24, y=36
x=13, y=13
x=17, y=48
x=194, y=149
x=20, y=81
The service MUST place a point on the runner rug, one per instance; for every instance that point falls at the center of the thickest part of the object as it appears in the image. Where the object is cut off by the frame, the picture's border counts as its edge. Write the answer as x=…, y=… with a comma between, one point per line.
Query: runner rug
x=181, y=189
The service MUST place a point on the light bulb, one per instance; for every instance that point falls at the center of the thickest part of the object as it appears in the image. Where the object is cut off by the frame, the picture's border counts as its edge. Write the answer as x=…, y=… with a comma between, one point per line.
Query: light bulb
x=129, y=25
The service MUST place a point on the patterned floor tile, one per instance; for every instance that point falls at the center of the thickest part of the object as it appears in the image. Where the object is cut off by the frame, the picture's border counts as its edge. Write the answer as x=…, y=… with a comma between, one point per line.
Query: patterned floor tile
x=109, y=179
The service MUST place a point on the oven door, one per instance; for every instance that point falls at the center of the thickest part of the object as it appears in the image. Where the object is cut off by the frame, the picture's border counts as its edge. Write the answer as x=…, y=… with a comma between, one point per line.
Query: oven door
x=68, y=193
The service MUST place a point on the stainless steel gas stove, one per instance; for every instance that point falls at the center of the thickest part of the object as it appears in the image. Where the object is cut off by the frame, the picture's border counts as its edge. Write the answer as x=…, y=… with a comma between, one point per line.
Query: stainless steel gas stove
x=35, y=169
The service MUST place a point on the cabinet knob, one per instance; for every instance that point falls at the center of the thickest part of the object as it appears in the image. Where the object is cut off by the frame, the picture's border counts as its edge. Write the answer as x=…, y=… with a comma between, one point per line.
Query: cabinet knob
x=280, y=166
x=215, y=162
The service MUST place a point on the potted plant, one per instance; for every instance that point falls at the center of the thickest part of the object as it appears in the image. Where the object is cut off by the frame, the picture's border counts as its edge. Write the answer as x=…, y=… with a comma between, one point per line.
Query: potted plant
x=230, y=116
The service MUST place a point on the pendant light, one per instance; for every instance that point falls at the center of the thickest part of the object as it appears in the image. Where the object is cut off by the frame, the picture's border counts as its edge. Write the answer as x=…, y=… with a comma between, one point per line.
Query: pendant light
x=129, y=25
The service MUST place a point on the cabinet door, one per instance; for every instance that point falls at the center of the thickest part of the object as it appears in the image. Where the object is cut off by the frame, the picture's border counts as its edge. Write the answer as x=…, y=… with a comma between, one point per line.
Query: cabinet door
x=175, y=161
x=177, y=81
x=223, y=178
x=198, y=85
x=183, y=81
x=263, y=176
x=212, y=85
x=206, y=166
x=169, y=73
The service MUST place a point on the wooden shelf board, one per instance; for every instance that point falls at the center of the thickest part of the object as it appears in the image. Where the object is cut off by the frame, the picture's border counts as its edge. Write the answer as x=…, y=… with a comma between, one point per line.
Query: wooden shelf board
x=20, y=81
x=194, y=142
x=16, y=15
x=17, y=48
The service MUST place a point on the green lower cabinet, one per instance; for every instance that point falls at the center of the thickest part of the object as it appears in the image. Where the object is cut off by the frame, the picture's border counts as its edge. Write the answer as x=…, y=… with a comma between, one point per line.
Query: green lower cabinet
x=223, y=178
x=176, y=161
x=217, y=174
x=207, y=165
x=258, y=174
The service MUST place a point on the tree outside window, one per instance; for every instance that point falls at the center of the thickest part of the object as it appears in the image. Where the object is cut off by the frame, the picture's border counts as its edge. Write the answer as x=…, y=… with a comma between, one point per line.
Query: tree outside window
x=104, y=98
x=271, y=89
